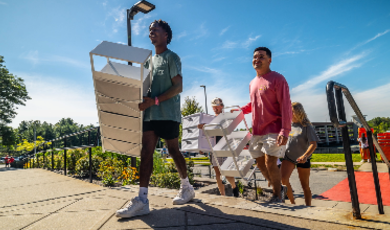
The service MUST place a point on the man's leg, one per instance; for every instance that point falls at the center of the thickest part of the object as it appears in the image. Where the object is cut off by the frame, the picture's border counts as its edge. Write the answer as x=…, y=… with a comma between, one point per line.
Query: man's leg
x=263, y=168
x=180, y=162
x=186, y=192
x=149, y=141
x=140, y=205
x=274, y=174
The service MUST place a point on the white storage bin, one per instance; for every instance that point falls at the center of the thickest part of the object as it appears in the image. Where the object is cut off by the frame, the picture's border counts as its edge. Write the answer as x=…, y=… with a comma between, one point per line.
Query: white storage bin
x=237, y=141
x=191, y=132
x=195, y=119
x=244, y=162
x=228, y=121
x=196, y=144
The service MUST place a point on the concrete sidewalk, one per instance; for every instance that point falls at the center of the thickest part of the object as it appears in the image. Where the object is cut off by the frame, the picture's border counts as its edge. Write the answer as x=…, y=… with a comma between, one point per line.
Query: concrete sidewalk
x=40, y=199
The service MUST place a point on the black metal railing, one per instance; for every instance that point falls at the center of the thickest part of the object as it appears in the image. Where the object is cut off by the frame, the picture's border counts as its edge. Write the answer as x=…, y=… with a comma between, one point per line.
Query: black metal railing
x=43, y=148
x=339, y=119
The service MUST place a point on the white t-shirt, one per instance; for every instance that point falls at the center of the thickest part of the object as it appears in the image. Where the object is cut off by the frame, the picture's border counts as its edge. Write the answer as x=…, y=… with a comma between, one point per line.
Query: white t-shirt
x=363, y=145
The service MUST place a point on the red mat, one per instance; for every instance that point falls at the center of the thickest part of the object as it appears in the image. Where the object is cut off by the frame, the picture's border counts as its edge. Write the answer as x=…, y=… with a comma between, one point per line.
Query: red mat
x=365, y=187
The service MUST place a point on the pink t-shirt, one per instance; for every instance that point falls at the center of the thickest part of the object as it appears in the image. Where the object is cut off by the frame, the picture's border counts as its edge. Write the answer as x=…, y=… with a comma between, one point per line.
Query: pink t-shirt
x=270, y=104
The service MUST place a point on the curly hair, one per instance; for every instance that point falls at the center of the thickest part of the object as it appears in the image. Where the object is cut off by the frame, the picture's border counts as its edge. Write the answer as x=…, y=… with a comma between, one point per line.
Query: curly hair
x=300, y=114
x=165, y=26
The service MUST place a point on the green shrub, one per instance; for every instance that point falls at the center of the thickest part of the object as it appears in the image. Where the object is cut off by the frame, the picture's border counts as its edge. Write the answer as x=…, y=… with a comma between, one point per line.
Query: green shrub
x=166, y=180
x=108, y=181
x=82, y=165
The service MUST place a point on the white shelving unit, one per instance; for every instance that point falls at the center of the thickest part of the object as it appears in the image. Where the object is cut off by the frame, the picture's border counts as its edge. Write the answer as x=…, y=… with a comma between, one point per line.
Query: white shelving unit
x=118, y=90
x=231, y=145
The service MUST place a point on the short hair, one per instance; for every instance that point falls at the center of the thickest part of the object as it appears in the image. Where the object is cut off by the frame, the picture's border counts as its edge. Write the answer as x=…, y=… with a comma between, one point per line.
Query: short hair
x=267, y=51
x=164, y=25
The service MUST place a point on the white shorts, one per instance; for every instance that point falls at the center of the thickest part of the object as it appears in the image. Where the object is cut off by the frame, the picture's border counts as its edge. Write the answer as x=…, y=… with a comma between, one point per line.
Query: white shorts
x=266, y=144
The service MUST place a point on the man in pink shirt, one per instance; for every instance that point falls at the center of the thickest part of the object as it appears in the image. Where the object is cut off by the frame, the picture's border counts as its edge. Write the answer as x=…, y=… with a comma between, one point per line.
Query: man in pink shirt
x=271, y=119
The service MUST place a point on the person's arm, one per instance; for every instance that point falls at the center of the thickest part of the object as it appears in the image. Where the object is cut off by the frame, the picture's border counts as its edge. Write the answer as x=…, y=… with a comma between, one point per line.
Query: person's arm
x=245, y=109
x=283, y=97
x=302, y=159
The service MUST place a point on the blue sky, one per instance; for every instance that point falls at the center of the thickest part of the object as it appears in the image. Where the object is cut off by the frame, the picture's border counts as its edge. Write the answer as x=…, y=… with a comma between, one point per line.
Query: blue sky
x=48, y=43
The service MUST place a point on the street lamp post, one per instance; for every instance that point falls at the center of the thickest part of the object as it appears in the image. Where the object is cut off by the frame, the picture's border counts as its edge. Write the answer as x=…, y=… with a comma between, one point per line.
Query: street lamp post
x=144, y=7
x=205, y=98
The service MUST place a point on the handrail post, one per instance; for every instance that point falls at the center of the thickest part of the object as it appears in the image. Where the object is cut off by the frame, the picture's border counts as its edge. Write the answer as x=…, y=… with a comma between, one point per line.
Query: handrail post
x=375, y=172
x=341, y=122
x=90, y=157
x=52, y=156
x=65, y=156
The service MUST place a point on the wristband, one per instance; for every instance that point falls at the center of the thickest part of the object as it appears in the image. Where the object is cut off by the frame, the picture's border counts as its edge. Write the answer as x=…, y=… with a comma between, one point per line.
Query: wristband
x=156, y=102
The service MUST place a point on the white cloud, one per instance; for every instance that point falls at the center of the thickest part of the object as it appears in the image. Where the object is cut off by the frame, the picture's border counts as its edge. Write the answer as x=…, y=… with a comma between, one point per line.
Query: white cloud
x=200, y=32
x=141, y=24
x=332, y=71
x=118, y=14
x=239, y=44
x=224, y=31
x=182, y=35
x=249, y=41
x=34, y=57
x=53, y=99
x=371, y=39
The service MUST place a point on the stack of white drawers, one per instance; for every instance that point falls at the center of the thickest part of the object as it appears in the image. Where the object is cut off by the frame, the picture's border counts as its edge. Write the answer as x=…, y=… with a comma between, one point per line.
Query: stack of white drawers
x=193, y=139
x=119, y=89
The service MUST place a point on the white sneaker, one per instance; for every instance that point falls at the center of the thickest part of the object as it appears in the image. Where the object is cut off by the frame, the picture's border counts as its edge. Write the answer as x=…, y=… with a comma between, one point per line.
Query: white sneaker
x=368, y=160
x=184, y=195
x=135, y=208
x=362, y=161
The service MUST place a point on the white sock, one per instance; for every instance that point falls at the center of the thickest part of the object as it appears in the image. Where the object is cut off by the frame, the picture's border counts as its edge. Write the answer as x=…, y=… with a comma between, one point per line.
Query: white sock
x=143, y=194
x=185, y=183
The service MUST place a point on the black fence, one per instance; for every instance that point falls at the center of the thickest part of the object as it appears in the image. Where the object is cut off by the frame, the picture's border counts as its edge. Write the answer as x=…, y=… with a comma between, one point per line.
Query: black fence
x=339, y=119
x=86, y=139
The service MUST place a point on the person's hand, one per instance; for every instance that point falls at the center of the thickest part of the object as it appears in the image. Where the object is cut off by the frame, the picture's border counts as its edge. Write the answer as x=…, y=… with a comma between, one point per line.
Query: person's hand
x=200, y=126
x=146, y=104
x=281, y=140
x=232, y=110
x=302, y=159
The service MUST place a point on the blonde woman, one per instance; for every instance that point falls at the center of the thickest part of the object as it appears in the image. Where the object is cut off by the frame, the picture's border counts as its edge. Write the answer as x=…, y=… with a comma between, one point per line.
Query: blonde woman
x=301, y=144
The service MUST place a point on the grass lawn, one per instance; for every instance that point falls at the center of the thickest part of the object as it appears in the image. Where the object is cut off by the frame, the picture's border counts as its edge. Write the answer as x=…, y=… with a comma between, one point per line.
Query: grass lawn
x=335, y=157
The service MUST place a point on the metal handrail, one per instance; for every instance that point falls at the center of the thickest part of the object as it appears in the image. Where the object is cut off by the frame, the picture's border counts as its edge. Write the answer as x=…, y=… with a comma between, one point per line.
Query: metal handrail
x=339, y=120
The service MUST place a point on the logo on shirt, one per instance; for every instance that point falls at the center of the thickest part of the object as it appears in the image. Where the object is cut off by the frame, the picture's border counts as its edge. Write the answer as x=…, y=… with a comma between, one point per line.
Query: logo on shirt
x=263, y=88
x=160, y=72
x=294, y=133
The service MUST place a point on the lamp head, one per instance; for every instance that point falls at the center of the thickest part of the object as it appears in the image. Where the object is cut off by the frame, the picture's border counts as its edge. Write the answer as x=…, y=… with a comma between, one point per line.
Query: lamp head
x=143, y=6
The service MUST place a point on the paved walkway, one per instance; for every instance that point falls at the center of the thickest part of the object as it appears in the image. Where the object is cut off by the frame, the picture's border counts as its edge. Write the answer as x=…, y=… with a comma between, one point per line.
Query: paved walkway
x=40, y=199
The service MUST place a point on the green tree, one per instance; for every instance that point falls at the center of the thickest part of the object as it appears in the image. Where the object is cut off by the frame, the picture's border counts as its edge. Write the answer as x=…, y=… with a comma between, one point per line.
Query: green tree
x=380, y=124
x=13, y=92
x=191, y=106
x=8, y=137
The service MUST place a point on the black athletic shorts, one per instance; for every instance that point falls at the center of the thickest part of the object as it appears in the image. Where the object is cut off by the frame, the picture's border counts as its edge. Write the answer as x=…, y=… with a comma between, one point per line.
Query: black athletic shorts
x=305, y=165
x=166, y=130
